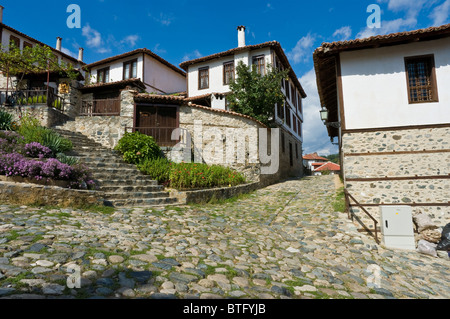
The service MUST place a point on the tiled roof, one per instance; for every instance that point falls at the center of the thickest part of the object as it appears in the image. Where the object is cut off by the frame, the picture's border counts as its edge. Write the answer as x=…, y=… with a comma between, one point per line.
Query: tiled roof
x=388, y=39
x=134, y=52
x=2, y=25
x=315, y=157
x=272, y=44
x=123, y=83
x=329, y=167
x=157, y=97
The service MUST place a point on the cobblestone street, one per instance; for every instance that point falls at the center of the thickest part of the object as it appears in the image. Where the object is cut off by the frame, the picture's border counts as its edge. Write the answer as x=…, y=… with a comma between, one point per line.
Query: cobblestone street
x=284, y=241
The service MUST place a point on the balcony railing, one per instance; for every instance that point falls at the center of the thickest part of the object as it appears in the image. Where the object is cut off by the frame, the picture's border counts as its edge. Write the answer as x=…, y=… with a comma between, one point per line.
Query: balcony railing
x=104, y=107
x=162, y=135
x=31, y=97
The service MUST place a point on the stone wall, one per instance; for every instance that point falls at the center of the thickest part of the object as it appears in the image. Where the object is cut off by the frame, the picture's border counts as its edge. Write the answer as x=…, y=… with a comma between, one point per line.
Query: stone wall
x=106, y=130
x=30, y=194
x=47, y=116
x=407, y=167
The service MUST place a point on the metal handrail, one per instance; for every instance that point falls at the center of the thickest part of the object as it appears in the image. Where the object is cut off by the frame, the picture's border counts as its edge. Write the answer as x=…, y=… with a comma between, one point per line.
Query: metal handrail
x=348, y=205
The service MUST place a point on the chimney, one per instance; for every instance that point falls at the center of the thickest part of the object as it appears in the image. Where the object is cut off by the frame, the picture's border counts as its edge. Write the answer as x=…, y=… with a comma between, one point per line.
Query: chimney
x=241, y=36
x=58, y=43
x=1, y=14
x=80, y=54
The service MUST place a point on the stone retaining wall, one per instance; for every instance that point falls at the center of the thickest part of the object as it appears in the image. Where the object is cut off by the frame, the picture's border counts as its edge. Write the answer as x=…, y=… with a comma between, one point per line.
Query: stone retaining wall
x=206, y=195
x=47, y=116
x=31, y=194
x=416, y=176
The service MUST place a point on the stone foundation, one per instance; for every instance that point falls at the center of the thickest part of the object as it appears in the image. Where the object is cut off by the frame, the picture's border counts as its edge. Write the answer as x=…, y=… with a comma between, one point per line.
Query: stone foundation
x=408, y=167
x=31, y=194
x=47, y=116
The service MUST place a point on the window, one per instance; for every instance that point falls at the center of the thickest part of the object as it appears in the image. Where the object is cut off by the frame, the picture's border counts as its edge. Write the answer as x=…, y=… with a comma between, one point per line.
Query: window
x=203, y=78
x=295, y=124
x=130, y=70
x=27, y=45
x=288, y=115
x=103, y=75
x=421, y=77
x=280, y=111
x=296, y=150
x=15, y=41
x=228, y=72
x=288, y=89
x=300, y=105
x=260, y=63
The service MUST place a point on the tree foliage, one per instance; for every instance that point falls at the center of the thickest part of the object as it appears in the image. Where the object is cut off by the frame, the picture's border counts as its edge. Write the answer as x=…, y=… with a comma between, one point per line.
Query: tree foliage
x=256, y=95
x=36, y=59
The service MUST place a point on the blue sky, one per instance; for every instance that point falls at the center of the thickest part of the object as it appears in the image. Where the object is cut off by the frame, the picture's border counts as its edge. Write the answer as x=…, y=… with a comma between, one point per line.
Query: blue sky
x=187, y=29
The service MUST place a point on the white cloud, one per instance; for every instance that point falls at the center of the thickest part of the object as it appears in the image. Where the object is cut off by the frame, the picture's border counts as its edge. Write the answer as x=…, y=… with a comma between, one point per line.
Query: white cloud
x=441, y=13
x=315, y=134
x=93, y=37
x=387, y=27
x=159, y=50
x=191, y=56
x=164, y=19
x=131, y=40
x=344, y=33
x=303, y=49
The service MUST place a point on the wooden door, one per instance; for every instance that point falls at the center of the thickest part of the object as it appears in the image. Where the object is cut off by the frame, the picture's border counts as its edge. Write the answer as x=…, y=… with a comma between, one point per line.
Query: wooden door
x=159, y=122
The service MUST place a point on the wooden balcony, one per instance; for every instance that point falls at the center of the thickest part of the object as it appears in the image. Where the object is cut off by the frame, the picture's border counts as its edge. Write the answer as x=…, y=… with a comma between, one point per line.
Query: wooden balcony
x=103, y=107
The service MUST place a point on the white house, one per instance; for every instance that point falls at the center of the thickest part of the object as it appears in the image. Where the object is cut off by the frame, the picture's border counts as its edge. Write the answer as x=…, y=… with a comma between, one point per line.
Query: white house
x=158, y=75
x=10, y=35
x=208, y=79
x=310, y=161
x=388, y=103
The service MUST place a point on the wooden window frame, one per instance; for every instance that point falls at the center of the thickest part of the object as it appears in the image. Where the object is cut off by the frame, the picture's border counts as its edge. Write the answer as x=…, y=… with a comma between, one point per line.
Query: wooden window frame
x=130, y=71
x=227, y=79
x=433, y=80
x=200, y=70
x=15, y=40
x=103, y=71
x=260, y=67
x=27, y=44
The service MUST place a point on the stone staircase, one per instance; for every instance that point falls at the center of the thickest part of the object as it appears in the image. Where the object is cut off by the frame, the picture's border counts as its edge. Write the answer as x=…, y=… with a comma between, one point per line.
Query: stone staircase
x=123, y=184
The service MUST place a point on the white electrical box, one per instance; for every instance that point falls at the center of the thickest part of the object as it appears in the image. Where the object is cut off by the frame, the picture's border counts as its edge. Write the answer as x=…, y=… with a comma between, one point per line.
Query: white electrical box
x=397, y=227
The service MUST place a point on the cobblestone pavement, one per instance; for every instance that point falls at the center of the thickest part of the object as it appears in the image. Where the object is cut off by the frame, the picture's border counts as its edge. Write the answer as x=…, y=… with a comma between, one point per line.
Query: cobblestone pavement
x=283, y=241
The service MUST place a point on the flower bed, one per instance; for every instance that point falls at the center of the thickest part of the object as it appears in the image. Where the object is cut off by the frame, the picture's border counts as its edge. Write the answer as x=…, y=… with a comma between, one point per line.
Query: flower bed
x=35, y=163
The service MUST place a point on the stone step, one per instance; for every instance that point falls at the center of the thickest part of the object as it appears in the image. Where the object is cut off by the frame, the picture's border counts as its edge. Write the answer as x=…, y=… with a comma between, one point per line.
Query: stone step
x=109, y=165
x=143, y=202
x=131, y=188
x=136, y=195
x=141, y=181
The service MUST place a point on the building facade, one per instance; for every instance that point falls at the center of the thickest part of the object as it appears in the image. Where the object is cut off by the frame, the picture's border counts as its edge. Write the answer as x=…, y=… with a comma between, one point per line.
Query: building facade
x=389, y=94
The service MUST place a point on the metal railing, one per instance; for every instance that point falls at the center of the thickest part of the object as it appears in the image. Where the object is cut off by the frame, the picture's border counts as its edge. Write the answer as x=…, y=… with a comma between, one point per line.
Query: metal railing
x=351, y=215
x=31, y=97
x=162, y=135
x=103, y=107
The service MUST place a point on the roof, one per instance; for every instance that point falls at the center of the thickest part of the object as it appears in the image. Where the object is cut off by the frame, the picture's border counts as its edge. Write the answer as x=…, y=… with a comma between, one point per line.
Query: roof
x=315, y=157
x=2, y=25
x=329, y=167
x=272, y=44
x=326, y=59
x=119, y=84
x=181, y=100
x=134, y=52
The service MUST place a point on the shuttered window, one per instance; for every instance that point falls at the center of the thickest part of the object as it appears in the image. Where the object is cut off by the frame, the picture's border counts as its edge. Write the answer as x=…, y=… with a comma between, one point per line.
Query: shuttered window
x=421, y=77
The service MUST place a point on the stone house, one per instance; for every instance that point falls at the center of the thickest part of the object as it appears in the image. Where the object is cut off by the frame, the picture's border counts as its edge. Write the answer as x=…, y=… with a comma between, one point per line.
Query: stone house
x=389, y=97
x=312, y=161
x=208, y=81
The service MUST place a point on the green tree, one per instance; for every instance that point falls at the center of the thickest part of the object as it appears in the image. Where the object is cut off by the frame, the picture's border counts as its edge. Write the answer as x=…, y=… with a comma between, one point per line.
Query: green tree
x=16, y=63
x=256, y=95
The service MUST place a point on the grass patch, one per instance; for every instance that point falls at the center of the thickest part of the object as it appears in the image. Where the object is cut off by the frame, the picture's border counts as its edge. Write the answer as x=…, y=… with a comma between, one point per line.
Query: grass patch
x=339, y=201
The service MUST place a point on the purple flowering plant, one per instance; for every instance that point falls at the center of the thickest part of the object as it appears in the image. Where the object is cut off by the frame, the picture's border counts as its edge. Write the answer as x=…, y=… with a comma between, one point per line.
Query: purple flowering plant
x=36, y=150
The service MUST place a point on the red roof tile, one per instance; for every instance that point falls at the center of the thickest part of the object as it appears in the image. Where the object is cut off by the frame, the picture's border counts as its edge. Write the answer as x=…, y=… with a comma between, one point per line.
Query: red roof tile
x=329, y=167
x=315, y=157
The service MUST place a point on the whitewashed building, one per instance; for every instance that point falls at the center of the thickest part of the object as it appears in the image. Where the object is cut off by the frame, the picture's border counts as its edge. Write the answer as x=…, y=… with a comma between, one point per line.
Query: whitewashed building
x=208, y=80
x=157, y=75
x=388, y=103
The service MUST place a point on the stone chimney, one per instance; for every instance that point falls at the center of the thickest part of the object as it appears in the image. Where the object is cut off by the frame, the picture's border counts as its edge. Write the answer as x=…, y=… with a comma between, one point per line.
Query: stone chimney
x=80, y=54
x=58, y=43
x=1, y=14
x=241, y=36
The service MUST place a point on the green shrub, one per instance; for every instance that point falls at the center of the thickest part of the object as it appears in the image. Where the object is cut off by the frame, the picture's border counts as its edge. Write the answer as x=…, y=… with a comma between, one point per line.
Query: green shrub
x=158, y=169
x=6, y=121
x=190, y=175
x=69, y=160
x=32, y=131
x=137, y=148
